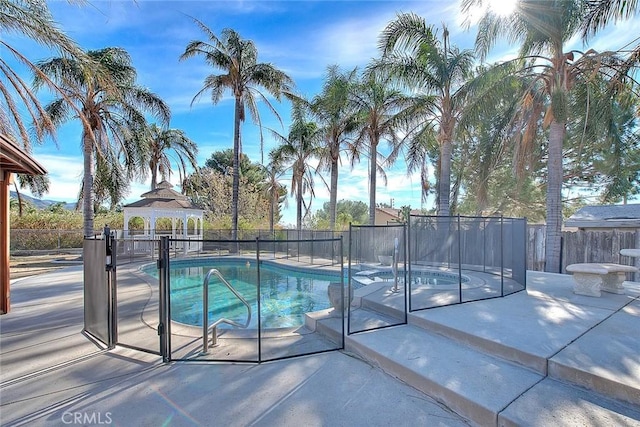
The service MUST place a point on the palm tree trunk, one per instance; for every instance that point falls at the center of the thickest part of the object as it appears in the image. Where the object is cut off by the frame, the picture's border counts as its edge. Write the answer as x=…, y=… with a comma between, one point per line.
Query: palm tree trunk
x=272, y=211
x=236, y=170
x=271, y=214
x=444, y=186
x=333, y=194
x=299, y=208
x=87, y=188
x=372, y=182
x=154, y=177
x=554, y=198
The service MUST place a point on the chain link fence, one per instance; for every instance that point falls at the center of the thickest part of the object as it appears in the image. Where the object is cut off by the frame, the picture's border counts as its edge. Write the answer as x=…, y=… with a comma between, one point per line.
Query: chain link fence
x=45, y=240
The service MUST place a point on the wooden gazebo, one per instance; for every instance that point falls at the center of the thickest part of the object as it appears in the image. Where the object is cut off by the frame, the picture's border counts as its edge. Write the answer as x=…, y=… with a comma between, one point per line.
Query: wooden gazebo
x=12, y=160
x=164, y=202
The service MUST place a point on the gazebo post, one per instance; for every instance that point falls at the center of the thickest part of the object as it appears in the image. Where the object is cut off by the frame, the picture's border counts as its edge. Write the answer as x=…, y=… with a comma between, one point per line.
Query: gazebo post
x=13, y=159
x=125, y=226
x=5, y=293
x=184, y=232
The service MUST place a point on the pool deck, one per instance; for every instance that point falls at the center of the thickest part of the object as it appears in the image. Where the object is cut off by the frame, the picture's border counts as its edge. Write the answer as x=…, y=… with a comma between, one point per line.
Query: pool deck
x=541, y=357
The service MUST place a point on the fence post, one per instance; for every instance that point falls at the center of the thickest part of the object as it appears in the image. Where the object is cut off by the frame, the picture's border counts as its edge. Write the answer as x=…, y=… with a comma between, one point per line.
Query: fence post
x=408, y=278
x=164, y=324
x=110, y=268
x=342, y=285
x=561, y=252
x=484, y=244
x=350, y=243
x=501, y=255
x=259, y=292
x=459, y=259
x=636, y=244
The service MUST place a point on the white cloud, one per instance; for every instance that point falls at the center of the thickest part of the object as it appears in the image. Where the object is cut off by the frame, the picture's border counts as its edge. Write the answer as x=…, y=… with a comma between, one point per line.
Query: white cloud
x=65, y=175
x=350, y=42
x=624, y=34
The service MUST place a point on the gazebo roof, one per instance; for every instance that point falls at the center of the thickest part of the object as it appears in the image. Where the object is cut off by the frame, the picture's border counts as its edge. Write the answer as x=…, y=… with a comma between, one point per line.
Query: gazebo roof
x=163, y=197
x=161, y=204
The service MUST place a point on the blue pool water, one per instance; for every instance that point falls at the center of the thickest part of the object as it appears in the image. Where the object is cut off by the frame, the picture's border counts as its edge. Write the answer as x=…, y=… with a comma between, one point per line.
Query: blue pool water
x=285, y=295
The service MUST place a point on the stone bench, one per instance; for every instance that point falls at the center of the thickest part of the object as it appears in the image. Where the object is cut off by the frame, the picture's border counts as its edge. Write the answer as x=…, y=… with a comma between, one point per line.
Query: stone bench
x=591, y=278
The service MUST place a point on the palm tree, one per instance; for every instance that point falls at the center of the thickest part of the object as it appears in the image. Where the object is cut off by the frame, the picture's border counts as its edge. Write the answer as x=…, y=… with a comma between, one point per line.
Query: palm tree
x=166, y=145
x=607, y=149
x=484, y=158
x=412, y=53
x=331, y=110
x=295, y=151
x=112, y=109
x=242, y=75
x=275, y=191
x=600, y=13
x=32, y=19
x=543, y=28
x=379, y=109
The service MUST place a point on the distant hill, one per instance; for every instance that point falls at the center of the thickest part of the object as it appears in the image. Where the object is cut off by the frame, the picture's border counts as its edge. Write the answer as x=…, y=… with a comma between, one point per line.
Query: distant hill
x=41, y=203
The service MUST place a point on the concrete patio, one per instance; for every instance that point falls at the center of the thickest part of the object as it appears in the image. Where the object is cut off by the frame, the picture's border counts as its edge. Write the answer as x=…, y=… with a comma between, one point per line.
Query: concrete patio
x=541, y=357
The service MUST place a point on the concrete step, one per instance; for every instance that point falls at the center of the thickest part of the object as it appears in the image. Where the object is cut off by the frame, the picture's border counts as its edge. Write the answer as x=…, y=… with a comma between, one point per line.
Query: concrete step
x=381, y=298
x=592, y=347
x=532, y=360
x=554, y=403
x=475, y=385
x=327, y=324
x=605, y=360
x=486, y=390
x=387, y=310
x=366, y=318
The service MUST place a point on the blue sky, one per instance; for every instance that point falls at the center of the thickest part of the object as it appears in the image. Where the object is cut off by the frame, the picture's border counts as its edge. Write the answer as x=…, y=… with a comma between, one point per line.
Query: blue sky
x=301, y=38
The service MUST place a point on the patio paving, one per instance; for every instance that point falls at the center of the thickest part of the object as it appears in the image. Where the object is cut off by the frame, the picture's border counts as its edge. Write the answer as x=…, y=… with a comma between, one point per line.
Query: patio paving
x=53, y=375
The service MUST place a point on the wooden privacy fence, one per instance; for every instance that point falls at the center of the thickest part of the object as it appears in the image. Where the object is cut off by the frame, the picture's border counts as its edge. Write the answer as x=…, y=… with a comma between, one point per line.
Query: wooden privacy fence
x=582, y=246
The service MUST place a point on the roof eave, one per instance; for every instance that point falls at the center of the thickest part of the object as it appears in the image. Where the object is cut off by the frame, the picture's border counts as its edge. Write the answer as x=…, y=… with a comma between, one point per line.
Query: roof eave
x=14, y=159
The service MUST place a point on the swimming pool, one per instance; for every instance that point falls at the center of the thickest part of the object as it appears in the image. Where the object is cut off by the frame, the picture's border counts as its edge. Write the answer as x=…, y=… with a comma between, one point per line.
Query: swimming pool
x=285, y=294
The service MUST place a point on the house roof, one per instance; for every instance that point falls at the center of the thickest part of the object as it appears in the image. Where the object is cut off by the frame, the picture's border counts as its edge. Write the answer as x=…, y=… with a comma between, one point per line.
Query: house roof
x=397, y=212
x=606, y=216
x=15, y=159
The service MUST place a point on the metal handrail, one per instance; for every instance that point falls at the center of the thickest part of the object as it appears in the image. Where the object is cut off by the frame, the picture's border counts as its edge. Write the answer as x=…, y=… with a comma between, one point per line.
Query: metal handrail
x=205, y=311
